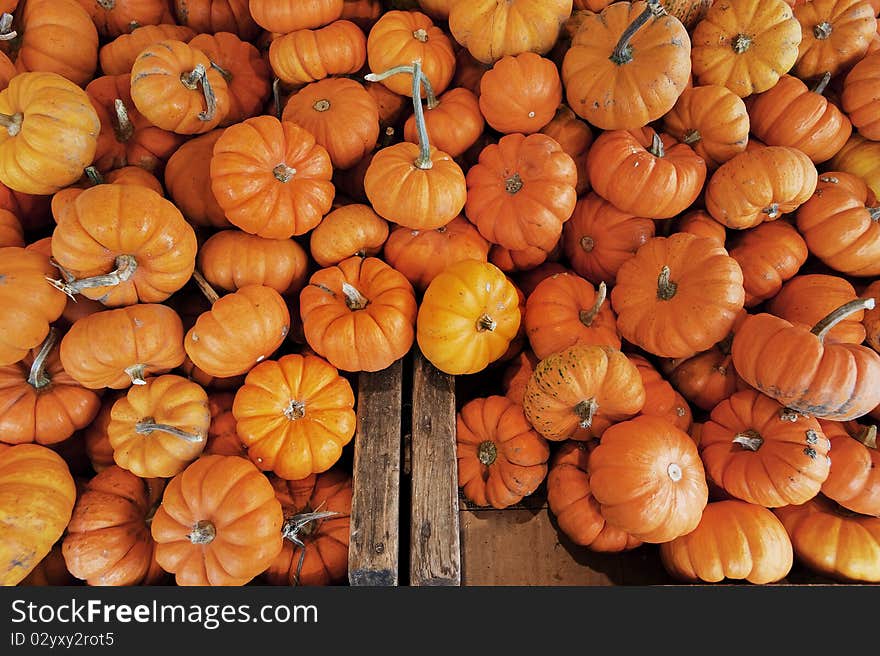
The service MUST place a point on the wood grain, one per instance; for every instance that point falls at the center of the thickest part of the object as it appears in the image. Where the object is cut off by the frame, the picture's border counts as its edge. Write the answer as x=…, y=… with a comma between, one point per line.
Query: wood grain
x=435, y=554
x=375, y=510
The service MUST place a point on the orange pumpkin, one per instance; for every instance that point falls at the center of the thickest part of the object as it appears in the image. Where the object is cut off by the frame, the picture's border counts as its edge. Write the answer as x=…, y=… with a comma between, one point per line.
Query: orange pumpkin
x=454, y=122
x=294, y=415
x=520, y=93
x=769, y=255
x=306, y=56
x=701, y=224
x=577, y=393
x=517, y=374
x=203, y=537
x=859, y=96
x=117, y=57
x=115, y=17
x=854, y=479
x=97, y=444
x=347, y=231
x=647, y=476
x=188, y=181
x=11, y=232
x=223, y=440
x=661, y=399
x=285, y=16
x=214, y=16
x=807, y=298
x=836, y=34
x=575, y=137
x=861, y=157
x=871, y=320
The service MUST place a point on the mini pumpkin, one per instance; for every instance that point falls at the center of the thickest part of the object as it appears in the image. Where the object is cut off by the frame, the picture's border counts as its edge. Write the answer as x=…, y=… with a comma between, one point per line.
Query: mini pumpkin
x=348, y=230
x=835, y=35
x=807, y=298
x=661, y=399
x=117, y=57
x=860, y=157
x=520, y=93
x=285, y=16
x=701, y=224
x=575, y=137
x=855, y=467
x=305, y=56
x=453, y=122
x=769, y=255
x=188, y=181
x=859, y=96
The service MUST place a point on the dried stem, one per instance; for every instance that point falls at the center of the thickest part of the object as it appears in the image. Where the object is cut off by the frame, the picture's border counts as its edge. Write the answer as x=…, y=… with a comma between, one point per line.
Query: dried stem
x=623, y=52
x=37, y=377
x=148, y=425
x=828, y=322
x=588, y=316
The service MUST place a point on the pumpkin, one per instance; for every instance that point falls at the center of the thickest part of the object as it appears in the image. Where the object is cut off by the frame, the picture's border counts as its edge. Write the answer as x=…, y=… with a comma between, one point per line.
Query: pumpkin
x=341, y=115
x=860, y=96
x=28, y=303
x=11, y=232
x=501, y=459
x=678, y=295
x=528, y=281
x=401, y=37
x=871, y=319
x=421, y=255
x=416, y=186
x=701, y=224
x=827, y=380
x=516, y=375
x=707, y=378
x=349, y=230
x=306, y=56
x=836, y=34
x=294, y=415
x=436, y=9
x=861, y=158
x=572, y=503
x=121, y=244
x=760, y=185
x=37, y=494
x=745, y=45
x=642, y=173
x=510, y=261
x=769, y=255
x=118, y=56
x=177, y=89
x=468, y=317
x=807, y=298
x=219, y=523
x=363, y=13
x=712, y=120
x=359, y=314
x=57, y=36
x=453, y=123
x=575, y=137
x=8, y=70
x=522, y=191
x=490, y=30
x=231, y=259
x=791, y=114
x=214, y=16
x=245, y=72
x=223, y=440
x=240, y=330
x=756, y=451
x=49, y=133
x=577, y=393
x=734, y=540
x=854, y=556
x=520, y=93
x=661, y=399
x=40, y=402
x=468, y=72
x=840, y=224
x=627, y=66
x=271, y=178
x=647, y=476
x=97, y=444
x=565, y=310
x=284, y=16
x=188, y=181
x=599, y=238
x=115, y=17
x=108, y=540
x=120, y=347
x=391, y=105
x=855, y=467
x=316, y=530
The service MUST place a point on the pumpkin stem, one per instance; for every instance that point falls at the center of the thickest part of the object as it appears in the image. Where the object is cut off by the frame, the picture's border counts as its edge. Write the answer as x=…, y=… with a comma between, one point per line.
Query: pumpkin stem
x=692, y=136
x=191, y=81
x=122, y=126
x=126, y=265
x=147, y=425
x=354, y=300
x=822, y=84
x=37, y=377
x=137, y=372
x=487, y=452
x=387, y=137
x=486, y=323
x=322, y=105
x=420, y=35
x=749, y=439
x=513, y=184
x=299, y=526
x=874, y=213
x=787, y=414
x=94, y=176
x=828, y=322
x=276, y=97
x=823, y=30
x=203, y=532
x=656, y=148
x=397, y=70
x=223, y=72
x=741, y=43
x=12, y=123
x=868, y=436
x=205, y=288
x=283, y=173
x=6, y=31
x=623, y=53
x=772, y=211
x=588, y=316
x=585, y=411
x=295, y=410
x=107, y=4
x=674, y=472
x=666, y=288
x=587, y=243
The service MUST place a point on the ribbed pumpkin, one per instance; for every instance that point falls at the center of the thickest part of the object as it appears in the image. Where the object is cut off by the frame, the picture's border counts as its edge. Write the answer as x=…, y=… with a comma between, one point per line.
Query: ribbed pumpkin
x=575, y=137
x=348, y=230
x=188, y=181
x=661, y=399
x=116, y=17
x=861, y=157
x=701, y=224
x=835, y=34
x=860, y=96
x=454, y=123
x=807, y=298
x=305, y=56
x=854, y=479
x=290, y=15
x=118, y=56
x=769, y=255
x=213, y=16
x=520, y=93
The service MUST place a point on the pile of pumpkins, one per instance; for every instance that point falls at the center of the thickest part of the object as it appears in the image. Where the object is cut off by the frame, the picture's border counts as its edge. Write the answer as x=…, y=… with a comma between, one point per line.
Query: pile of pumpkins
x=650, y=227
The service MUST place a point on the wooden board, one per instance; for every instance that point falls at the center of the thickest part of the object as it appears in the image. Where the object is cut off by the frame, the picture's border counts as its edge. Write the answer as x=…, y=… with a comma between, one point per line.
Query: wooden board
x=375, y=510
x=435, y=555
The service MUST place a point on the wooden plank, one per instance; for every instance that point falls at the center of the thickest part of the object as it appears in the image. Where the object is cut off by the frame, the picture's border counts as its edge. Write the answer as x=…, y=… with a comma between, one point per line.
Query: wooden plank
x=435, y=554
x=375, y=509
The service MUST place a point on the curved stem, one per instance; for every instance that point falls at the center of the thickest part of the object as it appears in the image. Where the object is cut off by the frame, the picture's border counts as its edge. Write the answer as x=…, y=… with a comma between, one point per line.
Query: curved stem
x=486, y=323
x=622, y=53
x=692, y=136
x=300, y=525
x=424, y=160
x=205, y=288
x=203, y=532
x=397, y=70
x=487, y=452
x=585, y=411
x=11, y=123
x=868, y=436
x=666, y=288
x=122, y=126
x=354, y=300
x=749, y=439
x=6, y=31
x=276, y=97
x=656, y=148
x=37, y=377
x=192, y=80
x=226, y=75
x=148, y=425
x=828, y=322
x=126, y=265
x=94, y=176
x=137, y=373
x=588, y=316
x=822, y=84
